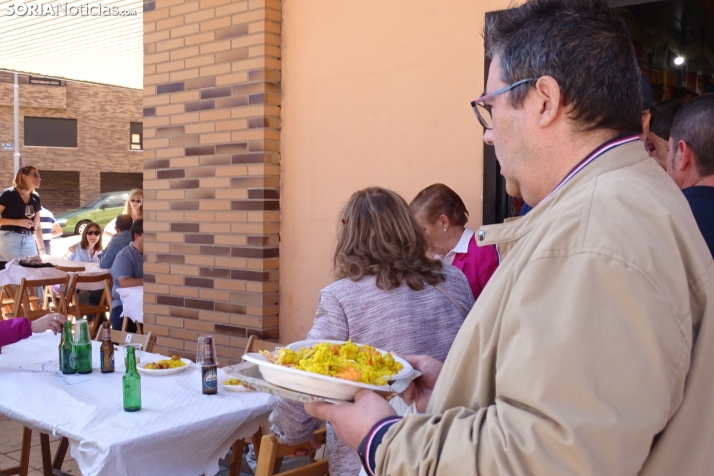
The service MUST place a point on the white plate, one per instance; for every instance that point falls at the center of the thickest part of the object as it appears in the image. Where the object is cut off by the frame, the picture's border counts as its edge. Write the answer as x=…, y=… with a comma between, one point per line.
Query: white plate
x=316, y=384
x=175, y=370
x=230, y=388
x=234, y=388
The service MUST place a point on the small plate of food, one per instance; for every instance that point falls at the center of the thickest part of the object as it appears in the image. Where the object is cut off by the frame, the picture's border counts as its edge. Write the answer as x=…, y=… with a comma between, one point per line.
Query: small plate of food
x=233, y=385
x=330, y=369
x=170, y=366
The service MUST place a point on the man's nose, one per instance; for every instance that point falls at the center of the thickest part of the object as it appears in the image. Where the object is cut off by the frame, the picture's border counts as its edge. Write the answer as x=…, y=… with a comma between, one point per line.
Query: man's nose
x=488, y=136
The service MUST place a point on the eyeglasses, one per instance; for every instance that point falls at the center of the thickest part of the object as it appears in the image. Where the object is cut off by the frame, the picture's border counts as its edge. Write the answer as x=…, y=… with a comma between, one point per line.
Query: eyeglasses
x=133, y=200
x=483, y=110
x=33, y=174
x=94, y=232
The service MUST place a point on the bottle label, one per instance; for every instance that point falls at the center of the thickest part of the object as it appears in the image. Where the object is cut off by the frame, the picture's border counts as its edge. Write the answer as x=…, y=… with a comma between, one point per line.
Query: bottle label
x=73, y=360
x=210, y=379
x=111, y=359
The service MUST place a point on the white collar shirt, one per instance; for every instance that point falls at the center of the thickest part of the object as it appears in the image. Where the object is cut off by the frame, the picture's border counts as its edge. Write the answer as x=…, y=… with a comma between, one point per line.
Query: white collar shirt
x=461, y=247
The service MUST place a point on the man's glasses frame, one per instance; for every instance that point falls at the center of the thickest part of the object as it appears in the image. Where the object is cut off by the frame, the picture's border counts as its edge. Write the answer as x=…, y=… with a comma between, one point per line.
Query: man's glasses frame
x=480, y=101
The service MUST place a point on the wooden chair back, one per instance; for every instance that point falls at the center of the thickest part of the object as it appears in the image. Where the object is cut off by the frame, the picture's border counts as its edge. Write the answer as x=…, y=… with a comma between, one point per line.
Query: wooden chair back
x=23, y=298
x=147, y=341
x=272, y=453
x=256, y=345
x=75, y=308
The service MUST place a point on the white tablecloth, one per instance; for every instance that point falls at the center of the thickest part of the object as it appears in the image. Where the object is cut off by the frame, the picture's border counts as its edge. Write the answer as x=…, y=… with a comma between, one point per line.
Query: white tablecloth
x=14, y=273
x=132, y=299
x=178, y=431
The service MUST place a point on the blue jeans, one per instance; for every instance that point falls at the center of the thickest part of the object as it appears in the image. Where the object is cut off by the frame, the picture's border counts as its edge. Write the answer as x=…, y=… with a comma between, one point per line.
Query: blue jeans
x=16, y=245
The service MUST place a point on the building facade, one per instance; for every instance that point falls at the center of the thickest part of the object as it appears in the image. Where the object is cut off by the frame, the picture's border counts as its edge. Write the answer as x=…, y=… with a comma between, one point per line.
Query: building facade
x=261, y=118
x=78, y=135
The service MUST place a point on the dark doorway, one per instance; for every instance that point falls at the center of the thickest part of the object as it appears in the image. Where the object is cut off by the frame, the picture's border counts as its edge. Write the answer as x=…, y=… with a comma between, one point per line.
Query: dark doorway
x=59, y=191
x=661, y=31
x=119, y=182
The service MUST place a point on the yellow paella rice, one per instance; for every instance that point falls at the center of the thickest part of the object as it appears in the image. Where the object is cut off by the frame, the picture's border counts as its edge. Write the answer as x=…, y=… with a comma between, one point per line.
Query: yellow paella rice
x=232, y=381
x=349, y=361
x=172, y=363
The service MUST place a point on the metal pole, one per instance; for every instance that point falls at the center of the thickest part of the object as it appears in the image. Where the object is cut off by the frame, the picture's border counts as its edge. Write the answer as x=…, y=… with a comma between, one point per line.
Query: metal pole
x=17, y=159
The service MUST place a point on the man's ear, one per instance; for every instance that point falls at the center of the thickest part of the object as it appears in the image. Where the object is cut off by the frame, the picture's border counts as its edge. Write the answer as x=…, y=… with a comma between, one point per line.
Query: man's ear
x=686, y=155
x=547, y=100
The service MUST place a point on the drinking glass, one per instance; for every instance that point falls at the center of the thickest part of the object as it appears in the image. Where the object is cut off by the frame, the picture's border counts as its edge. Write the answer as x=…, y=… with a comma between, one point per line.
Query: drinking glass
x=29, y=212
x=206, y=350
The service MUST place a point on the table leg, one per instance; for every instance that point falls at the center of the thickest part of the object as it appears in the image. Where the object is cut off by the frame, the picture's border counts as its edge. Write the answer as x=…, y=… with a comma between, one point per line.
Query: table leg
x=60, y=454
x=46, y=454
x=24, y=456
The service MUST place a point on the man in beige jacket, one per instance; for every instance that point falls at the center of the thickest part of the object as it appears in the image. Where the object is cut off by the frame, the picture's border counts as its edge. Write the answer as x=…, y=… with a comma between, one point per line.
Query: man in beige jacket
x=590, y=351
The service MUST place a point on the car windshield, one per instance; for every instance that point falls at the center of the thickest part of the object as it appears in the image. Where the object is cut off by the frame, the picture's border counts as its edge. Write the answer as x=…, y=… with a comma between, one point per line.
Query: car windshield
x=93, y=202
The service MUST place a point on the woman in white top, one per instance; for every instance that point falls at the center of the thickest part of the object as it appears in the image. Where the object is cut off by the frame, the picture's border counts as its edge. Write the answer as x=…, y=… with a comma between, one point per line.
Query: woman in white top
x=90, y=246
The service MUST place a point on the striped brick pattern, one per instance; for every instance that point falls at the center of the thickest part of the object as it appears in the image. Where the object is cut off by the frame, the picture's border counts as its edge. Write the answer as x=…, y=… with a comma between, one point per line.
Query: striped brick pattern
x=211, y=172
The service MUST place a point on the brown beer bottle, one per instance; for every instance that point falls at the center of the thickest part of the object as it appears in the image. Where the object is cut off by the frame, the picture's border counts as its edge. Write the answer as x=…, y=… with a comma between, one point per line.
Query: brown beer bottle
x=209, y=368
x=106, y=351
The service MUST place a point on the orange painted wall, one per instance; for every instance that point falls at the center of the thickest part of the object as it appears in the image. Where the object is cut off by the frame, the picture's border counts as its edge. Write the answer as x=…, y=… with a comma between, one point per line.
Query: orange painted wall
x=374, y=92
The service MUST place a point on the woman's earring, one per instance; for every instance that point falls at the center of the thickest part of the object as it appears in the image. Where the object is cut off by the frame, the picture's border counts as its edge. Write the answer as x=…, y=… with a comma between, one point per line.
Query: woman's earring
x=444, y=230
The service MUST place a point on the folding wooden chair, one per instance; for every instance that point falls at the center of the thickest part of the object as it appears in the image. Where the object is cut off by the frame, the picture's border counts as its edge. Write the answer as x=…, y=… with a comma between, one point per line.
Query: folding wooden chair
x=74, y=308
x=147, y=341
x=7, y=299
x=22, y=303
x=272, y=453
x=253, y=345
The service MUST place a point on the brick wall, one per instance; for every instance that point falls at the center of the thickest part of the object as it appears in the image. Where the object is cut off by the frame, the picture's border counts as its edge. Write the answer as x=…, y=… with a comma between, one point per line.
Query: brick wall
x=103, y=115
x=60, y=190
x=211, y=172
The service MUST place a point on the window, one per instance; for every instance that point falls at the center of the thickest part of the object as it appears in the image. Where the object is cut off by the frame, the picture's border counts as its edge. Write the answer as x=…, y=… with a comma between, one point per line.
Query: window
x=136, y=133
x=50, y=132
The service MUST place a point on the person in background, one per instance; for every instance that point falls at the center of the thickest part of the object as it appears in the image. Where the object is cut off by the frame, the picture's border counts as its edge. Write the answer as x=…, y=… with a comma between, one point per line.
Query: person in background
x=388, y=294
x=118, y=242
x=133, y=207
x=50, y=229
x=443, y=216
x=18, y=328
x=127, y=271
x=20, y=227
x=657, y=142
x=89, y=247
x=690, y=161
x=590, y=351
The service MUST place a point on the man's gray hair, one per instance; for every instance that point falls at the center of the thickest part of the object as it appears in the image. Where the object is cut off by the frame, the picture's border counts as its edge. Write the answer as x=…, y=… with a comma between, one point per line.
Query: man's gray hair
x=694, y=124
x=584, y=46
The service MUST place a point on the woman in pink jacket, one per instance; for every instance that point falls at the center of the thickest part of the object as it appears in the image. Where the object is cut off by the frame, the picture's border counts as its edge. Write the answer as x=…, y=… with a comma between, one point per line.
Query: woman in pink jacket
x=443, y=216
x=14, y=330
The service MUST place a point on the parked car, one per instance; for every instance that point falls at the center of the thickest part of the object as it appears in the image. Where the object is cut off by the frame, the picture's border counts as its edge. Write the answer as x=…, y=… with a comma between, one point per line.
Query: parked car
x=101, y=209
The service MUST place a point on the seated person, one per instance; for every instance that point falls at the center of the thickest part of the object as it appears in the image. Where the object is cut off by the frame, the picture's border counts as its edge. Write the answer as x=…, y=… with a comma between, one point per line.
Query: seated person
x=87, y=251
x=118, y=242
x=127, y=271
x=18, y=328
x=388, y=294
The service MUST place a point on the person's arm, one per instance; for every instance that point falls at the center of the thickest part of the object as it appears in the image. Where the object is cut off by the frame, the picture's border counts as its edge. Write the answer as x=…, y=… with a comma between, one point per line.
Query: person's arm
x=129, y=282
x=56, y=229
x=22, y=222
x=291, y=425
x=106, y=258
x=14, y=330
x=38, y=233
x=590, y=370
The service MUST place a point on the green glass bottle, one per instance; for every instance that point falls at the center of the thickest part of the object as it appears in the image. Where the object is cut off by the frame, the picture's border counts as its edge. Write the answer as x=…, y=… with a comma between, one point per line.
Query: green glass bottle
x=131, y=382
x=66, y=351
x=83, y=348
